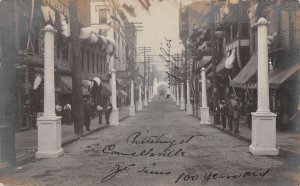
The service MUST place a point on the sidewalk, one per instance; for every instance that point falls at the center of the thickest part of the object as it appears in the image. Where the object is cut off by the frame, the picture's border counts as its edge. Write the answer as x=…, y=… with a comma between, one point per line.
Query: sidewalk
x=26, y=141
x=287, y=140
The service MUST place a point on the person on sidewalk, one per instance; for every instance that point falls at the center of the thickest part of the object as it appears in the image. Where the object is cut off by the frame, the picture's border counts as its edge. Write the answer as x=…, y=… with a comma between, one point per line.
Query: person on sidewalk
x=229, y=114
x=236, y=115
x=87, y=112
x=100, y=110
x=67, y=114
x=223, y=113
x=108, y=109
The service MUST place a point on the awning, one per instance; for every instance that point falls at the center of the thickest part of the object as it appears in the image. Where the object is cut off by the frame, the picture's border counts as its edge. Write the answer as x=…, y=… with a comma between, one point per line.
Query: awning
x=106, y=89
x=121, y=93
x=204, y=61
x=277, y=77
x=246, y=73
x=230, y=60
x=221, y=65
x=66, y=86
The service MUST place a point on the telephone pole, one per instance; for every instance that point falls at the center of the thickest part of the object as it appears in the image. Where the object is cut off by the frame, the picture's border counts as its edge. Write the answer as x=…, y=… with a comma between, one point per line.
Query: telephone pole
x=76, y=70
x=8, y=98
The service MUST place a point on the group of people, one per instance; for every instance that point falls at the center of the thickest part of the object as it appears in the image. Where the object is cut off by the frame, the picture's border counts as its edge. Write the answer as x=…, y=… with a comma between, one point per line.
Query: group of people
x=87, y=111
x=66, y=114
x=230, y=113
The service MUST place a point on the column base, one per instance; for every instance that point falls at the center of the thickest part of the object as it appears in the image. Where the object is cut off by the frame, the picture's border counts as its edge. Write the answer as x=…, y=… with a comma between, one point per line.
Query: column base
x=140, y=106
x=189, y=109
x=49, y=137
x=114, y=117
x=182, y=105
x=263, y=136
x=205, y=120
x=132, y=110
x=49, y=154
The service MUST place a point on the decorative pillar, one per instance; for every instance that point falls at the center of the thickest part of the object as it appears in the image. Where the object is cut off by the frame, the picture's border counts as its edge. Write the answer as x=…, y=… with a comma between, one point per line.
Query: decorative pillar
x=149, y=94
x=182, y=102
x=145, y=94
x=205, y=120
x=155, y=93
x=114, y=116
x=49, y=125
x=173, y=93
x=132, y=107
x=140, y=104
x=189, y=107
x=177, y=95
x=263, y=121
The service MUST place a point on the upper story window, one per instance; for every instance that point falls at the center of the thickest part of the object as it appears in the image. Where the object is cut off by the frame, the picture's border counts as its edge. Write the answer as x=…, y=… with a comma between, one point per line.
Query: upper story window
x=102, y=16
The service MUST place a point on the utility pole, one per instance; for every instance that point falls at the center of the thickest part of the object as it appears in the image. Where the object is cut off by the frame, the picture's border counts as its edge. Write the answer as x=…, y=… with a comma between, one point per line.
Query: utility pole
x=76, y=70
x=214, y=75
x=8, y=98
x=145, y=50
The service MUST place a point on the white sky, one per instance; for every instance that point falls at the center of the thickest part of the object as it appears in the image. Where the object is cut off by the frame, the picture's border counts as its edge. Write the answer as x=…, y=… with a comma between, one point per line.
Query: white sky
x=162, y=21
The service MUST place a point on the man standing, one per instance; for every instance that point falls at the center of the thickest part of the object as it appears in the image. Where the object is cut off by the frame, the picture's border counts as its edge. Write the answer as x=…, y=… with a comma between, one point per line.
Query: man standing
x=100, y=110
x=108, y=109
x=230, y=114
x=223, y=113
x=87, y=112
x=236, y=115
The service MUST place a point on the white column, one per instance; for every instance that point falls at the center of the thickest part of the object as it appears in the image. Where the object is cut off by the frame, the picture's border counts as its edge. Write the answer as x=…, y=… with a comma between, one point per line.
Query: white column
x=140, y=104
x=132, y=107
x=145, y=95
x=149, y=94
x=155, y=93
x=49, y=125
x=263, y=121
x=114, y=116
x=182, y=101
x=177, y=95
x=205, y=120
x=173, y=93
x=189, y=107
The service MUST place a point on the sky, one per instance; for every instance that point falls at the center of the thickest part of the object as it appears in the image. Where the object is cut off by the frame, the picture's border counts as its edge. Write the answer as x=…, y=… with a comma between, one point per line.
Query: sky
x=159, y=22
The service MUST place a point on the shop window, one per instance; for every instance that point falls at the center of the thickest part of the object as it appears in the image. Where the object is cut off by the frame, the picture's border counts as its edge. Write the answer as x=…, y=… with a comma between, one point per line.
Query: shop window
x=102, y=16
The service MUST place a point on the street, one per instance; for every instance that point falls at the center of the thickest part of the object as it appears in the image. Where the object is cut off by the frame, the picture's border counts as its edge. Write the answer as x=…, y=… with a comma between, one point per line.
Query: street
x=159, y=146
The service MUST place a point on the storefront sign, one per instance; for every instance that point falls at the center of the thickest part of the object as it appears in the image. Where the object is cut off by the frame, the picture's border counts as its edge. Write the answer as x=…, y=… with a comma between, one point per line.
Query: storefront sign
x=61, y=6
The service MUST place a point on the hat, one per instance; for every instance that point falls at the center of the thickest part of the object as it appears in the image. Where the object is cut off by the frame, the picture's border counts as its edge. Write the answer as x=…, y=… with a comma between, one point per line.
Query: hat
x=223, y=101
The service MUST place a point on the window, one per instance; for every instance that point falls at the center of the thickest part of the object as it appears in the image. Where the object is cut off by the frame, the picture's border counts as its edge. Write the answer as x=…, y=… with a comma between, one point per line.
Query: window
x=88, y=60
x=102, y=16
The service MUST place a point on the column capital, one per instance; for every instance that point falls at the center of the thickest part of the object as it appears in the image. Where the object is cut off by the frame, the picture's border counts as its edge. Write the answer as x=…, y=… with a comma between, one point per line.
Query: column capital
x=202, y=69
x=113, y=70
x=49, y=28
x=261, y=21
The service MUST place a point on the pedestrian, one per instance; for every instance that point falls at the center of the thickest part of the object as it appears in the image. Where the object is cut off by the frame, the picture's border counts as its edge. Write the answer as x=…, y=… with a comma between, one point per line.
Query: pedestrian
x=230, y=114
x=67, y=114
x=58, y=110
x=236, y=115
x=223, y=113
x=86, y=112
x=108, y=109
x=100, y=110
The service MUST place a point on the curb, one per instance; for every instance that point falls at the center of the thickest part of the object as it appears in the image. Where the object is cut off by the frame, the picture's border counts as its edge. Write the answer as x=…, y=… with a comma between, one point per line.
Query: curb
x=30, y=157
